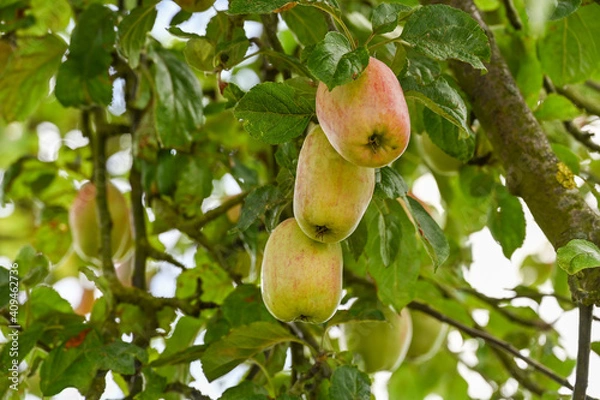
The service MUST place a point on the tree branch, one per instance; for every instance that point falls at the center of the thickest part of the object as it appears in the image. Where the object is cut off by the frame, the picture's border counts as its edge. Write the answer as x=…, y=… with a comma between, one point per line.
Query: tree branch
x=139, y=228
x=512, y=15
x=578, y=134
x=583, y=351
x=98, y=141
x=491, y=340
x=580, y=101
x=524, y=151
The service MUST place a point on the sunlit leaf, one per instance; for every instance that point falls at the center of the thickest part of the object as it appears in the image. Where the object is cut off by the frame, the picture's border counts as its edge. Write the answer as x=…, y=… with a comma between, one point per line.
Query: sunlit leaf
x=274, y=113
x=578, y=255
x=24, y=79
x=240, y=344
x=443, y=32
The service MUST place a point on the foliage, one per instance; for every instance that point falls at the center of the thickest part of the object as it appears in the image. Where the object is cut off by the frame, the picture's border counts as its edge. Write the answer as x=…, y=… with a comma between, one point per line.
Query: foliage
x=200, y=123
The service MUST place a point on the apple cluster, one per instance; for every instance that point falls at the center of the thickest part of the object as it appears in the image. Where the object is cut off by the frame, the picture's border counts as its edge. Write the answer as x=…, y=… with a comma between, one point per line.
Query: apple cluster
x=363, y=125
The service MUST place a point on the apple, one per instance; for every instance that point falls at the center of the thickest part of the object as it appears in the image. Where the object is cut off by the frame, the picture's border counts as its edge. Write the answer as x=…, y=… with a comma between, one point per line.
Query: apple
x=436, y=158
x=379, y=345
x=428, y=336
x=301, y=278
x=331, y=194
x=366, y=120
x=85, y=227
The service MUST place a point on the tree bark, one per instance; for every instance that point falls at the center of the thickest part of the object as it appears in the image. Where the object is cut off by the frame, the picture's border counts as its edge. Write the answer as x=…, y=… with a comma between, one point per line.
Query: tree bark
x=532, y=169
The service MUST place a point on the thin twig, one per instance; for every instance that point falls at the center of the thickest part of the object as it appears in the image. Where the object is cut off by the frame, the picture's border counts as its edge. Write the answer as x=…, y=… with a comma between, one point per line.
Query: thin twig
x=582, y=137
x=592, y=84
x=492, y=340
x=162, y=256
x=512, y=15
x=519, y=374
x=270, y=23
x=98, y=141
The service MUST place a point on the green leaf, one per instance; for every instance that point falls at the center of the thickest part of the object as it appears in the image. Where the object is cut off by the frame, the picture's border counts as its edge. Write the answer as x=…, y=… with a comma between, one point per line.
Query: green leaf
x=195, y=5
x=183, y=336
x=178, y=109
x=83, y=79
x=358, y=240
x=389, y=183
x=24, y=79
x=34, y=266
x=447, y=136
x=578, y=255
x=200, y=53
x=443, y=32
x=506, y=221
x=4, y=287
x=423, y=69
x=567, y=156
x=191, y=353
x=53, y=15
x=133, y=31
x=246, y=390
x=259, y=200
x=442, y=99
x=390, y=233
x=596, y=347
x=120, y=357
x=396, y=283
x=385, y=17
x=307, y=23
x=333, y=61
x=274, y=113
x=348, y=383
x=431, y=234
x=194, y=184
x=70, y=366
x=216, y=283
x=44, y=300
x=570, y=51
x=556, y=107
x=155, y=385
x=255, y=6
x=241, y=344
x=564, y=8
x=245, y=305
x=231, y=52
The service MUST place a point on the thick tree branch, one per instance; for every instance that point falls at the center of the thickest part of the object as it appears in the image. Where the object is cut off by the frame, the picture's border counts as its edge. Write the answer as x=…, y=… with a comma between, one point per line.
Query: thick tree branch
x=583, y=351
x=530, y=166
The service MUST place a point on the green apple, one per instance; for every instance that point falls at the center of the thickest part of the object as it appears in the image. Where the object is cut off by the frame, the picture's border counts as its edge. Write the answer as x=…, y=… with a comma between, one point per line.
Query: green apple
x=428, y=336
x=85, y=228
x=331, y=194
x=436, y=158
x=379, y=345
x=301, y=278
x=366, y=120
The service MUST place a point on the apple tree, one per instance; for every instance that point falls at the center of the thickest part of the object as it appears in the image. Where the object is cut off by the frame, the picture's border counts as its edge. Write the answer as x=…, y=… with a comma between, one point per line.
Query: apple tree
x=149, y=149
